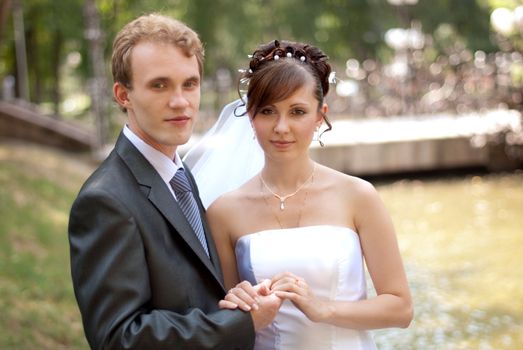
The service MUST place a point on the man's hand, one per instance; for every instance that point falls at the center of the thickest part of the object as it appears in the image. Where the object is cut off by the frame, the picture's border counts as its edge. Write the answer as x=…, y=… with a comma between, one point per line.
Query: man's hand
x=245, y=296
x=257, y=299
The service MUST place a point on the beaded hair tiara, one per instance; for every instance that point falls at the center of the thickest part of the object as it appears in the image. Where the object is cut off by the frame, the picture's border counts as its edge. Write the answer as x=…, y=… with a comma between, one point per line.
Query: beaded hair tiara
x=306, y=54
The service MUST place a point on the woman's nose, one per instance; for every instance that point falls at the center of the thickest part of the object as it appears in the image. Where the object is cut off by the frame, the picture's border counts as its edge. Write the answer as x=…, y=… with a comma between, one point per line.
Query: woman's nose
x=282, y=125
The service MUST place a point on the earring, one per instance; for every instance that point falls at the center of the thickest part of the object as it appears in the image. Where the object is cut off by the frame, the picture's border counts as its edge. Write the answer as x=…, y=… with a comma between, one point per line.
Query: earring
x=252, y=129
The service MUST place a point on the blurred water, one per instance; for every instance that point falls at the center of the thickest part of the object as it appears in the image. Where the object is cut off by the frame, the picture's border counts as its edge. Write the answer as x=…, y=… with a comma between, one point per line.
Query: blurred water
x=460, y=240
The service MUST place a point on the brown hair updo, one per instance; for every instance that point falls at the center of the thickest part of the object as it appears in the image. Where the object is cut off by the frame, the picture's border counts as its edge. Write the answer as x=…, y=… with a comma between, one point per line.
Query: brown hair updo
x=279, y=68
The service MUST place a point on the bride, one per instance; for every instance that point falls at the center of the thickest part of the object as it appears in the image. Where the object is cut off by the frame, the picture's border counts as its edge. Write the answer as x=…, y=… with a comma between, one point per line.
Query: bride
x=305, y=229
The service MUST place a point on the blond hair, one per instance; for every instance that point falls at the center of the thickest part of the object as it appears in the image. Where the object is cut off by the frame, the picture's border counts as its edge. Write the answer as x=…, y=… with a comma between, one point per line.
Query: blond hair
x=154, y=28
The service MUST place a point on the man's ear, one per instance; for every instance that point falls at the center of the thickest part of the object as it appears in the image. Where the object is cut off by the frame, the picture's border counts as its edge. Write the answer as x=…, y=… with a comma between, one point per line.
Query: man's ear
x=121, y=95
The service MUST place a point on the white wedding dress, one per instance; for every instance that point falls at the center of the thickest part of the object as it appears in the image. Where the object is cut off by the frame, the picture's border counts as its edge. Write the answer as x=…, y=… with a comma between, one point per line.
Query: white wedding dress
x=330, y=260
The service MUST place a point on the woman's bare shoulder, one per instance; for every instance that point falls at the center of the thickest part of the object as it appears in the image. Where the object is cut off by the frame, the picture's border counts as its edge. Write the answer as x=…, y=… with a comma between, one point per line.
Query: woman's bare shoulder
x=232, y=200
x=347, y=184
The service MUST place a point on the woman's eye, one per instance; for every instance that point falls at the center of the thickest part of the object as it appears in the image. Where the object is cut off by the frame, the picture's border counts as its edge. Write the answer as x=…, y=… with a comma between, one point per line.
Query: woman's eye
x=298, y=112
x=266, y=111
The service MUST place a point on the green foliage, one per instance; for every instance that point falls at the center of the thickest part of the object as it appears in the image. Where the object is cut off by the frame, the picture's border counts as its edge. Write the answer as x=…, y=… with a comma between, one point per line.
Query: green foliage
x=231, y=29
x=469, y=20
x=49, y=26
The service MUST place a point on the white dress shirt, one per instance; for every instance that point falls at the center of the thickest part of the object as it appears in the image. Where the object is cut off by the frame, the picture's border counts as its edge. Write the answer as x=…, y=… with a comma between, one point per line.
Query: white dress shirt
x=165, y=166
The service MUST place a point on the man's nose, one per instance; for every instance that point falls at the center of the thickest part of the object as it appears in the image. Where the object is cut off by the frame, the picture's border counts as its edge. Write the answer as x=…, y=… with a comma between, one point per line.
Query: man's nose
x=178, y=100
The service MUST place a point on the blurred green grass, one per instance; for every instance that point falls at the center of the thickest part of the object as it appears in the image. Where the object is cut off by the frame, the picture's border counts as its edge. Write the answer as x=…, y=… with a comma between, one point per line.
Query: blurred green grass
x=37, y=187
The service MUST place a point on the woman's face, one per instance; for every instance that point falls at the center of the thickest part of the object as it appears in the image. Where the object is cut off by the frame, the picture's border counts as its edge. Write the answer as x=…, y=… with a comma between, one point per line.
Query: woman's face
x=285, y=129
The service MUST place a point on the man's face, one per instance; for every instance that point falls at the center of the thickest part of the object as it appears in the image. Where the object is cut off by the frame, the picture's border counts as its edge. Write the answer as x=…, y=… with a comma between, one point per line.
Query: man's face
x=162, y=103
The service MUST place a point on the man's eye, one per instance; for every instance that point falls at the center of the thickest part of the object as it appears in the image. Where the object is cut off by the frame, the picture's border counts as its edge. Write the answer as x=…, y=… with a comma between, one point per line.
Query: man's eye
x=159, y=85
x=191, y=84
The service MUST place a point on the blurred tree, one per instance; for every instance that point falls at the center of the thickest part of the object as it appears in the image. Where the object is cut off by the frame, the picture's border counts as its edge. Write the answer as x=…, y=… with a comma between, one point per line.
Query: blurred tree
x=5, y=9
x=469, y=20
x=49, y=26
x=231, y=29
x=98, y=82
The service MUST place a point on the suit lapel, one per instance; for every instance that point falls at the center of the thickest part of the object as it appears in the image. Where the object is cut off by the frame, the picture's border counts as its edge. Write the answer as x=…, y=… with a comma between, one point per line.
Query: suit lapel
x=161, y=198
x=165, y=203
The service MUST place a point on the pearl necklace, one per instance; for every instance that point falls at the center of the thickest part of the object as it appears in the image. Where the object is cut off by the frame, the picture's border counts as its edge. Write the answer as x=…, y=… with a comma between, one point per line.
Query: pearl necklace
x=284, y=198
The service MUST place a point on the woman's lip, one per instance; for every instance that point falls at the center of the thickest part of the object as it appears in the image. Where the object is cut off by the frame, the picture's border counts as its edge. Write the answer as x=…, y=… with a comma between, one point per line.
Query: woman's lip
x=281, y=144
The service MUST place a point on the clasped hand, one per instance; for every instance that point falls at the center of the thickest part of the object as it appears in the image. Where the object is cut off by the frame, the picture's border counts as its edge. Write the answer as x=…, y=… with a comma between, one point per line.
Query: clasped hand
x=283, y=286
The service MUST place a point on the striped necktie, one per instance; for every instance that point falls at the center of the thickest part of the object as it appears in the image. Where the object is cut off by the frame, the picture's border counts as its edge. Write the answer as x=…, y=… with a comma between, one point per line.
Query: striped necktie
x=183, y=192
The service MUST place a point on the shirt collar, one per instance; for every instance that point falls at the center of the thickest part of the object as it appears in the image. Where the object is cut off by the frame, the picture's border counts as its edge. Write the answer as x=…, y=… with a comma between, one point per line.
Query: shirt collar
x=165, y=166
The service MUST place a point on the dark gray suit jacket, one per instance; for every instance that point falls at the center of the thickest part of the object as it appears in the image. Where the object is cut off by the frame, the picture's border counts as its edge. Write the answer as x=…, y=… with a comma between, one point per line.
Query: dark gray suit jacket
x=141, y=277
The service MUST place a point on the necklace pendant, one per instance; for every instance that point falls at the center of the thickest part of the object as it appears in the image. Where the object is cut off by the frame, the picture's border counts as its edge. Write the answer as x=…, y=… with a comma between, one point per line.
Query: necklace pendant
x=282, y=205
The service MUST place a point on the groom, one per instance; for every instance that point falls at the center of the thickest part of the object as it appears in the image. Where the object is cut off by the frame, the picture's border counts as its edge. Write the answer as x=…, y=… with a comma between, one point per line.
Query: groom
x=145, y=270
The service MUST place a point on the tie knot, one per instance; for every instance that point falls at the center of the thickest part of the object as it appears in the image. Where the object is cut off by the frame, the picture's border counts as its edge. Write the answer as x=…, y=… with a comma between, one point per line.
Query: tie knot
x=179, y=182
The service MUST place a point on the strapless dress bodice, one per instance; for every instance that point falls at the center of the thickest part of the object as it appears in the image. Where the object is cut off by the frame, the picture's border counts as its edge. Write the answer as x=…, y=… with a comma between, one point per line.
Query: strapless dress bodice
x=330, y=259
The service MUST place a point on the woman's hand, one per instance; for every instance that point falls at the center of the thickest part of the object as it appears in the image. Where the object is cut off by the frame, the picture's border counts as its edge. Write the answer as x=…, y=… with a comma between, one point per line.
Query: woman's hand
x=287, y=285
x=245, y=296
